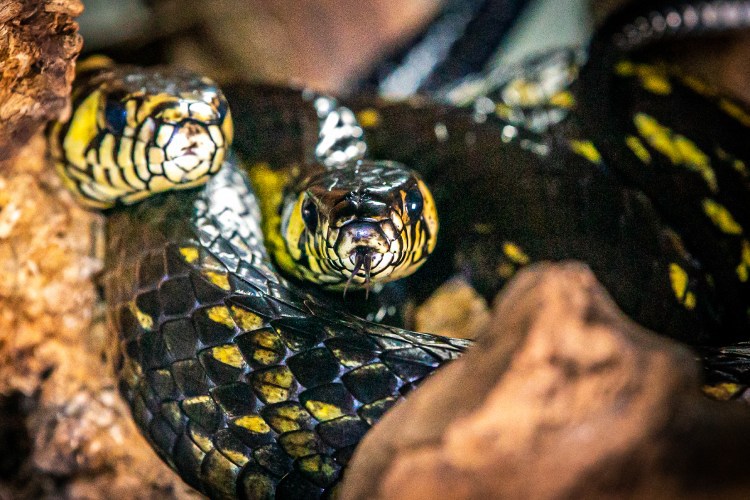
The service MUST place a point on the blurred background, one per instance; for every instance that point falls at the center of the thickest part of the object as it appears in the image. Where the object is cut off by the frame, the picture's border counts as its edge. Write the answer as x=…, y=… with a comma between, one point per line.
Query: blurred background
x=331, y=45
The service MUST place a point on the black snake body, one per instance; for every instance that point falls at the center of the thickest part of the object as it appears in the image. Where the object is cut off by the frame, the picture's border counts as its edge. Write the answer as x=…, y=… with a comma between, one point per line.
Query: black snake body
x=250, y=386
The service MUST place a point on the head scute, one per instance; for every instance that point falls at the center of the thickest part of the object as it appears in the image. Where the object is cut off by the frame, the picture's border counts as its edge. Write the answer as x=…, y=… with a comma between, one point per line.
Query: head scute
x=136, y=132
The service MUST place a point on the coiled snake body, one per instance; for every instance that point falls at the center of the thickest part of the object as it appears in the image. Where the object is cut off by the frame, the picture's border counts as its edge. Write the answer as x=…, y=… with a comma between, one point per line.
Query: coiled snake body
x=251, y=386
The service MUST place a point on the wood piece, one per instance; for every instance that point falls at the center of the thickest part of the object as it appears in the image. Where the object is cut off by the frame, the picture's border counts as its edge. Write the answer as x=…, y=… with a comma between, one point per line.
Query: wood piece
x=562, y=397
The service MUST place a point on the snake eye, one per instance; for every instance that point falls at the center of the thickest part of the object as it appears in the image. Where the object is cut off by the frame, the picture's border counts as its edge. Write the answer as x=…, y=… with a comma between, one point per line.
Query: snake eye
x=414, y=202
x=115, y=115
x=310, y=214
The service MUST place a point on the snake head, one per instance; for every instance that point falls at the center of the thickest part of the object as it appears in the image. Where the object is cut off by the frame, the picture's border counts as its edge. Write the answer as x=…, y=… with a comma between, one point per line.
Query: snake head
x=361, y=224
x=140, y=131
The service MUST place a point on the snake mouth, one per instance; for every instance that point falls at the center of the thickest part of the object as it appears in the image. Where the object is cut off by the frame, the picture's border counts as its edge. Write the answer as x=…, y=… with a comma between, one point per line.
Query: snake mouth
x=362, y=248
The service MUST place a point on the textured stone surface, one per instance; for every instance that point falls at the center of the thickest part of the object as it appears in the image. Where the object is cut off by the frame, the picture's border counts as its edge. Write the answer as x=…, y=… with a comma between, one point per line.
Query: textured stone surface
x=562, y=397
x=39, y=42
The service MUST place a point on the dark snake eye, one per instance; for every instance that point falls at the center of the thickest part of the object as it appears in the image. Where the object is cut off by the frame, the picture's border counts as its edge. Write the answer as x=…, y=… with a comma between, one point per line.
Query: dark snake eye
x=310, y=214
x=115, y=115
x=414, y=202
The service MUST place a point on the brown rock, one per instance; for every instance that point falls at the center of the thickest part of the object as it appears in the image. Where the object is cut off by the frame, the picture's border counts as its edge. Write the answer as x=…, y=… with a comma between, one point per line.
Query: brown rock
x=39, y=42
x=563, y=396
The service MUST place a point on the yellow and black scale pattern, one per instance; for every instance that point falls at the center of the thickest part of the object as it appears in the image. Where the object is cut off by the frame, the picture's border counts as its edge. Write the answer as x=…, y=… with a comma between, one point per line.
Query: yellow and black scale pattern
x=251, y=387
x=128, y=134
x=246, y=385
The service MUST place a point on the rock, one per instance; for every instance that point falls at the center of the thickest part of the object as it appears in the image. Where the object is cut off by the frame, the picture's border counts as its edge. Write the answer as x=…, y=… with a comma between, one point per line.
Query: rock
x=561, y=397
x=39, y=42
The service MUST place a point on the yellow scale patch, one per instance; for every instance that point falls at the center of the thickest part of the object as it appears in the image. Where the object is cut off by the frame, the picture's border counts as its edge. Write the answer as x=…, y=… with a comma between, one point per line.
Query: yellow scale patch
x=286, y=419
x=269, y=185
x=220, y=314
x=563, y=99
x=587, y=150
x=274, y=384
x=723, y=391
x=679, y=278
x=229, y=355
x=514, y=253
x=268, y=340
x=146, y=321
x=368, y=118
x=190, y=254
x=638, y=149
x=253, y=423
x=323, y=411
x=219, y=279
x=736, y=111
x=743, y=269
x=679, y=149
x=246, y=320
x=315, y=464
x=738, y=165
x=653, y=79
x=721, y=217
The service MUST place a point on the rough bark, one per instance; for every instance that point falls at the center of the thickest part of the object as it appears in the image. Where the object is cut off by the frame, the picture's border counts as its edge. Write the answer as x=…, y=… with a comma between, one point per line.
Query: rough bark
x=562, y=397
x=64, y=429
x=39, y=41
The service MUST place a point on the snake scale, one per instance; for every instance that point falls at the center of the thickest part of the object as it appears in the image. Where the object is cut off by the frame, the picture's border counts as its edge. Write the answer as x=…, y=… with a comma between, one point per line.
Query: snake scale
x=251, y=385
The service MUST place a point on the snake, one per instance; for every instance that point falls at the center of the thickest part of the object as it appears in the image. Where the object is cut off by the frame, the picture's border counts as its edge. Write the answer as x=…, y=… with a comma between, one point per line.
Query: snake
x=251, y=383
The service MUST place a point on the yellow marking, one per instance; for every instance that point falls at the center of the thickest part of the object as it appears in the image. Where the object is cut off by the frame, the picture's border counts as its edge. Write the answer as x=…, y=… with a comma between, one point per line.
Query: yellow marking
x=503, y=111
x=146, y=321
x=106, y=152
x=652, y=78
x=265, y=357
x=82, y=130
x=369, y=118
x=679, y=278
x=269, y=185
x=246, y=320
x=190, y=254
x=698, y=86
x=299, y=444
x=236, y=457
x=220, y=314
x=315, y=464
x=323, y=411
x=680, y=150
x=625, y=68
x=723, y=391
x=201, y=439
x=696, y=160
x=253, y=423
x=219, y=279
x=429, y=212
x=656, y=83
x=637, y=147
x=287, y=419
x=294, y=230
x=227, y=126
x=563, y=99
x=93, y=63
x=280, y=376
x=587, y=150
x=743, y=269
x=229, y=355
x=721, y=217
x=736, y=111
x=515, y=253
